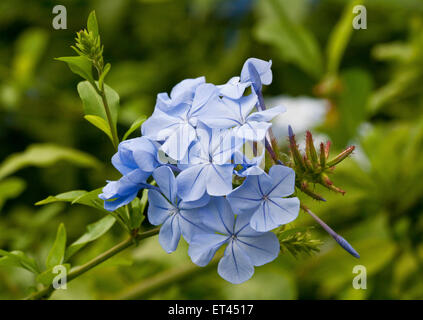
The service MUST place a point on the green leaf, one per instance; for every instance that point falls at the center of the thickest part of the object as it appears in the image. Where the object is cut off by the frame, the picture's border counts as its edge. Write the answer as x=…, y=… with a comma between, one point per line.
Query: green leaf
x=91, y=199
x=92, y=24
x=93, y=104
x=94, y=231
x=340, y=36
x=79, y=65
x=47, y=276
x=100, y=123
x=44, y=155
x=18, y=259
x=103, y=75
x=57, y=252
x=63, y=197
x=137, y=216
x=10, y=188
x=83, y=197
x=295, y=43
x=137, y=123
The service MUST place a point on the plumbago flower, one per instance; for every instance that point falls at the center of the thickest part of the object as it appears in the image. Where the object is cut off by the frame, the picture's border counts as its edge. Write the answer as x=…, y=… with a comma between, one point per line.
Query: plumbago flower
x=176, y=216
x=262, y=196
x=208, y=168
x=245, y=248
x=136, y=159
x=205, y=130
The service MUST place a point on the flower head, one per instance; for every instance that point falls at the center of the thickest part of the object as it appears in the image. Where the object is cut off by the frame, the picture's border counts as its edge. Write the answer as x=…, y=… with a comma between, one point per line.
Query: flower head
x=263, y=196
x=167, y=209
x=245, y=248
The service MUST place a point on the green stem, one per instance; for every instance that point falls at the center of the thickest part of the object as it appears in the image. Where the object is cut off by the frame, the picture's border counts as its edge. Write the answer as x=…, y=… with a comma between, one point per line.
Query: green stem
x=78, y=271
x=163, y=280
x=109, y=119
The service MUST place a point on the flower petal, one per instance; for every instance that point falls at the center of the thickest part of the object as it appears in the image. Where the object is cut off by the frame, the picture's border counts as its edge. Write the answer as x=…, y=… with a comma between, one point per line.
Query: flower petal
x=159, y=208
x=248, y=197
x=283, y=181
x=233, y=89
x=235, y=266
x=252, y=130
x=275, y=212
x=170, y=233
x=166, y=181
x=260, y=249
x=176, y=146
x=203, y=247
x=257, y=71
x=192, y=183
x=218, y=216
x=266, y=115
x=219, y=179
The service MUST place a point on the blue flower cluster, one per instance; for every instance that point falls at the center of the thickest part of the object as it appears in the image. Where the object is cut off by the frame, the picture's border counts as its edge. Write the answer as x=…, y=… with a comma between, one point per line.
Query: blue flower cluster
x=193, y=146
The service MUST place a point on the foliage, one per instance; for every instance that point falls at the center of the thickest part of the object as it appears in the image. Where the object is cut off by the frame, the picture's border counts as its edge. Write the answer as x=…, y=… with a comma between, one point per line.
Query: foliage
x=375, y=103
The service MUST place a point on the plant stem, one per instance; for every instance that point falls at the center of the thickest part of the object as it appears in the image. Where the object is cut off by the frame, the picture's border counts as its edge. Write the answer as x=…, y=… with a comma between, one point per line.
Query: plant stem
x=164, y=279
x=78, y=271
x=109, y=119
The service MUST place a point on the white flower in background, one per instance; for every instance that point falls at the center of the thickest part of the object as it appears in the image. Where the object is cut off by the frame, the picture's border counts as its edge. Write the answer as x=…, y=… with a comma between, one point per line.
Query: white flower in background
x=302, y=113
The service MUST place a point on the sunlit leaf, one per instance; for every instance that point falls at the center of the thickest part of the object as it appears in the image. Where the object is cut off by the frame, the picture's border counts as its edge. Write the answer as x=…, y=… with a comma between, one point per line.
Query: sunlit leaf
x=57, y=252
x=94, y=231
x=93, y=103
x=137, y=123
x=79, y=65
x=18, y=259
x=100, y=123
x=44, y=155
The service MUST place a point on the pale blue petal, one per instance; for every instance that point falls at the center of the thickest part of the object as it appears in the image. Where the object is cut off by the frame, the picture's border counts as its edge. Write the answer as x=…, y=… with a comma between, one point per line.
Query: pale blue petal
x=218, y=216
x=203, y=247
x=253, y=130
x=166, y=181
x=190, y=222
x=192, y=183
x=176, y=146
x=160, y=125
x=223, y=145
x=187, y=85
x=235, y=266
x=275, y=212
x=159, y=209
x=170, y=233
x=260, y=249
x=119, y=193
x=145, y=154
x=283, y=181
x=257, y=71
x=266, y=115
x=233, y=89
x=219, y=179
x=248, y=196
x=203, y=201
x=204, y=94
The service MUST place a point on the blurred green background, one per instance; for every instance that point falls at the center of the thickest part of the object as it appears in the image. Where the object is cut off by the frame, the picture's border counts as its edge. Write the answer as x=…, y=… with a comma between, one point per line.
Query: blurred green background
x=372, y=82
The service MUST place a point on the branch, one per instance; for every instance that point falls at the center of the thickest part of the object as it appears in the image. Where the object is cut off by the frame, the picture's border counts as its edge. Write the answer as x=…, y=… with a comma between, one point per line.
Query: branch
x=78, y=271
